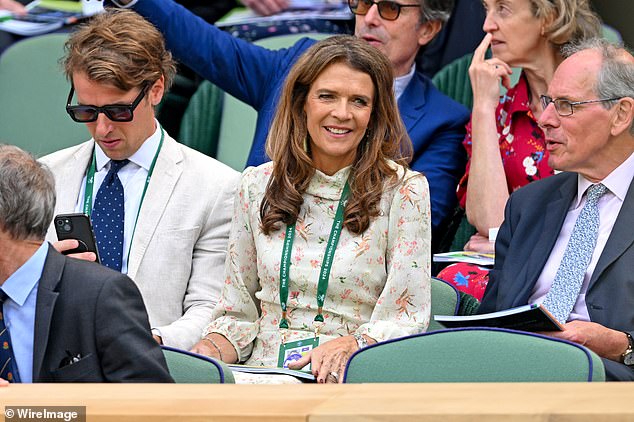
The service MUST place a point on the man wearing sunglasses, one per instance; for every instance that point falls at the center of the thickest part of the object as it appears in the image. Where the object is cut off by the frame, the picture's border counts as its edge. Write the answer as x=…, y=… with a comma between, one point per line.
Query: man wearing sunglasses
x=567, y=241
x=255, y=75
x=160, y=211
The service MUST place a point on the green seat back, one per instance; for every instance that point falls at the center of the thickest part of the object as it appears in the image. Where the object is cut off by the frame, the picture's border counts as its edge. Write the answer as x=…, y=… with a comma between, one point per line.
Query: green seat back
x=190, y=368
x=33, y=92
x=475, y=355
x=468, y=304
x=444, y=301
x=453, y=80
x=200, y=125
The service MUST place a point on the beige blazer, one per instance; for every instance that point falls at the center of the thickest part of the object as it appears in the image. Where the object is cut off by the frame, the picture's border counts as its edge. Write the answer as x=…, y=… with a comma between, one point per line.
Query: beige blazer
x=178, y=251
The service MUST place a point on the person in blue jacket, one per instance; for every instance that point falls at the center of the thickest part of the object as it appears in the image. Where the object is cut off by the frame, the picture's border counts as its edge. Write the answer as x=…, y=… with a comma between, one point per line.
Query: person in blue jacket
x=255, y=75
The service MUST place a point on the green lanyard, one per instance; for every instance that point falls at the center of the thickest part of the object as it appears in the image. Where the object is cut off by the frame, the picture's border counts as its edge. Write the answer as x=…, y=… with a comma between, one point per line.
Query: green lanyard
x=90, y=183
x=324, y=274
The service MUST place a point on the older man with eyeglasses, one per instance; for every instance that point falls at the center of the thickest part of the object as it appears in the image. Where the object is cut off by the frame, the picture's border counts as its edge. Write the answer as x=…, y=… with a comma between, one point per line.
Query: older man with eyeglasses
x=255, y=75
x=160, y=211
x=567, y=241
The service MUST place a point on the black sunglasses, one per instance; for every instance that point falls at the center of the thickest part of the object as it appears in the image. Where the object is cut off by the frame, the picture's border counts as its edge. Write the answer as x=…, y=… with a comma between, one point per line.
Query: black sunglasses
x=115, y=112
x=388, y=10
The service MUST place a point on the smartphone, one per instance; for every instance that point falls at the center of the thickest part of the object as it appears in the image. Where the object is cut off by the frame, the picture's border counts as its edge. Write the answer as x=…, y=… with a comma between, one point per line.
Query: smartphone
x=76, y=226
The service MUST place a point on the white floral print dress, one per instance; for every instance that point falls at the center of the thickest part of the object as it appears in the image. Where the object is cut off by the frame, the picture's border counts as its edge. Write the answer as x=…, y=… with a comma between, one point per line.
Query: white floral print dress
x=379, y=282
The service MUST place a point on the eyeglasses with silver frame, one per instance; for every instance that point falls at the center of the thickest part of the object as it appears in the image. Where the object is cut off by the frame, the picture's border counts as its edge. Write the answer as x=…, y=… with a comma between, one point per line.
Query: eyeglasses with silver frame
x=565, y=107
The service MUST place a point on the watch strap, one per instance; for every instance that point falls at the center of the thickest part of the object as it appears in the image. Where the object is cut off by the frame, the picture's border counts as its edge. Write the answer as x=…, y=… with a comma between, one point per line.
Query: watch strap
x=628, y=356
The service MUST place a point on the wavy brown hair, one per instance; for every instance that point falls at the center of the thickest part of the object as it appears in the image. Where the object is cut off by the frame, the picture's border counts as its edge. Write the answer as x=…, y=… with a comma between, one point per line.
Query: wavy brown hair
x=385, y=137
x=119, y=48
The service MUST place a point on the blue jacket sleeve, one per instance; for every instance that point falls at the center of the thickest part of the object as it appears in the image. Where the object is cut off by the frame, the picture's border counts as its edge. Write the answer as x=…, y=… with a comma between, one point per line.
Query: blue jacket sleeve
x=246, y=71
x=436, y=126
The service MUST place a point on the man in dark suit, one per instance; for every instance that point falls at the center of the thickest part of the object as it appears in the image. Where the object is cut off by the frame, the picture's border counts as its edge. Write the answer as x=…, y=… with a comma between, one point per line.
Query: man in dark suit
x=588, y=122
x=69, y=320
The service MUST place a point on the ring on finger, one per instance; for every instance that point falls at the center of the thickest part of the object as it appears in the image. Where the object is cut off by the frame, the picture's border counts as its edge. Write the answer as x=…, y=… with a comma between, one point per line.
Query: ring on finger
x=335, y=375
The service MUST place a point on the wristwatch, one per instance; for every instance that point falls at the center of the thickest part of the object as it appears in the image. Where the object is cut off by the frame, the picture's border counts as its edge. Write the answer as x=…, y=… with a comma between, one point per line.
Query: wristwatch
x=628, y=355
x=362, y=342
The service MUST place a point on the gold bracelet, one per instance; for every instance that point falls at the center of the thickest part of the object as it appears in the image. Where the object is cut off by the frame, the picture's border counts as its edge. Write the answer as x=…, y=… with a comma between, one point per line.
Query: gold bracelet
x=213, y=343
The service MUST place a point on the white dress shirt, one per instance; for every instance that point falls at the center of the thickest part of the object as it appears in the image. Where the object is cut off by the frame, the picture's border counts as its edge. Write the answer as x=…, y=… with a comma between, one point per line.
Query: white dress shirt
x=133, y=177
x=401, y=82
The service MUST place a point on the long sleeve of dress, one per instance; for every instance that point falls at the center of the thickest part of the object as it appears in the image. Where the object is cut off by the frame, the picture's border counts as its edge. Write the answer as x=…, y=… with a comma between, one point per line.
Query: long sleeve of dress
x=404, y=305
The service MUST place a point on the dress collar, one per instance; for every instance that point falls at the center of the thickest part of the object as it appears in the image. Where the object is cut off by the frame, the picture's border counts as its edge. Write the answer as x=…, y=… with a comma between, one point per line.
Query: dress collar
x=328, y=187
x=516, y=98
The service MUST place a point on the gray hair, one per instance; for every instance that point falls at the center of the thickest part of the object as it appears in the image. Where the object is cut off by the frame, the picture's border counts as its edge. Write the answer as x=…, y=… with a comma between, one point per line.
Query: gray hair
x=27, y=195
x=436, y=10
x=616, y=75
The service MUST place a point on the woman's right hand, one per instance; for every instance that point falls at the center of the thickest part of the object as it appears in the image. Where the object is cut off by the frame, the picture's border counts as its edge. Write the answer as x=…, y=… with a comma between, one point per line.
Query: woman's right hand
x=485, y=75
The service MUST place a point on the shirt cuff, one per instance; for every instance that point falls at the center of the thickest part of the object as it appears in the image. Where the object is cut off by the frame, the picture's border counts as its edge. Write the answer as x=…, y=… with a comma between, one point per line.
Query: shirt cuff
x=124, y=6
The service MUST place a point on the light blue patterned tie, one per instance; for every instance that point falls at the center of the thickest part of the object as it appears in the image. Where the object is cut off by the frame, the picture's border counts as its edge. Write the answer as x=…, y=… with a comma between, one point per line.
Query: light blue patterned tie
x=108, y=216
x=565, y=289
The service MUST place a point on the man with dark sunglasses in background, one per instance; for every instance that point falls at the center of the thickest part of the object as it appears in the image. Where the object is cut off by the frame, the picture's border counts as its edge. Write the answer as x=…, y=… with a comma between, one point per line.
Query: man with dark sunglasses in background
x=160, y=211
x=255, y=75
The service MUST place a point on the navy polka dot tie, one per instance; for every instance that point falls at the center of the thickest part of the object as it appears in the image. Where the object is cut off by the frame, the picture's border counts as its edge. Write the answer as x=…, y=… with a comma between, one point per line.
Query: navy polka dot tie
x=8, y=367
x=563, y=294
x=108, y=216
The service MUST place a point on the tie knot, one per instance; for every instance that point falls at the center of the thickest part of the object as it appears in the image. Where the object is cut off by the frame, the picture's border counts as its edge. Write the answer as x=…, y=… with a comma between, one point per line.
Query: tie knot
x=595, y=192
x=3, y=297
x=115, y=165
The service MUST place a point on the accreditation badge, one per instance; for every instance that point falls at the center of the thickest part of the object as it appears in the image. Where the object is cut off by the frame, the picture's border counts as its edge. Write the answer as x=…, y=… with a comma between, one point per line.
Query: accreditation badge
x=295, y=350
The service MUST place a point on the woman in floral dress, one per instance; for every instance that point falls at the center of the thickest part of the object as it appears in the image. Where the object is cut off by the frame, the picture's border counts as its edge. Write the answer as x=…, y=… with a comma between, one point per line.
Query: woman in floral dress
x=339, y=168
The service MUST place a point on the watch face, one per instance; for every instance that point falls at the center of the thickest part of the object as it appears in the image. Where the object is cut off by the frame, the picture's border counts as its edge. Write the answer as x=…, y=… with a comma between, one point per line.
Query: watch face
x=629, y=359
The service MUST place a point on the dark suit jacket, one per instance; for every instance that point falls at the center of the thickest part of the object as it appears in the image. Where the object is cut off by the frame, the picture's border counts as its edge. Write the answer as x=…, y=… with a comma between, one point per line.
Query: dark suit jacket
x=89, y=310
x=255, y=75
x=533, y=219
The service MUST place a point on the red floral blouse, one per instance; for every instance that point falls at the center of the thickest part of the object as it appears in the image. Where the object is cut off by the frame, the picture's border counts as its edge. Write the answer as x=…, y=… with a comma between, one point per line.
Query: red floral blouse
x=522, y=143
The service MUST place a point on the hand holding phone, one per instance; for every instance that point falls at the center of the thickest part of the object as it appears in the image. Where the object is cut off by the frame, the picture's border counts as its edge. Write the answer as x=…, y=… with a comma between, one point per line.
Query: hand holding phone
x=78, y=227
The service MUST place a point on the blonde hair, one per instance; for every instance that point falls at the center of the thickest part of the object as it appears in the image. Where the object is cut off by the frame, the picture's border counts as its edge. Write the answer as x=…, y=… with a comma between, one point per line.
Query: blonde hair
x=385, y=138
x=568, y=20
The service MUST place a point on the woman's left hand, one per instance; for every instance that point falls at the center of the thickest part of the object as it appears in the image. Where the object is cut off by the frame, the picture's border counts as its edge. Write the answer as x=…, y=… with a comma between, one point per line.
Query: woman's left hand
x=329, y=360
